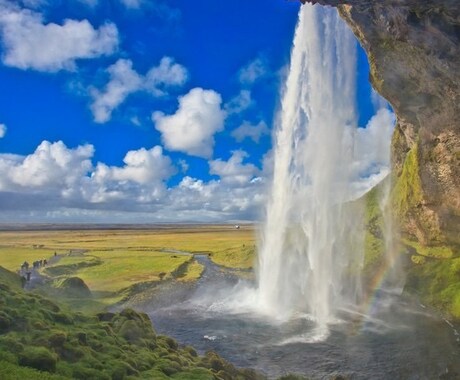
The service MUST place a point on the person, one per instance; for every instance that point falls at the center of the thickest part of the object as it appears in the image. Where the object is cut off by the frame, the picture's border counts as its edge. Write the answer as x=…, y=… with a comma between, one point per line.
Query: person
x=45, y=262
x=28, y=273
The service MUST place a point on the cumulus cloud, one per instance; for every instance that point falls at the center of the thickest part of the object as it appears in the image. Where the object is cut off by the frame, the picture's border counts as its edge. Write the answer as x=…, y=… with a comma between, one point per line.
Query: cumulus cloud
x=253, y=71
x=60, y=183
x=141, y=166
x=371, y=151
x=234, y=171
x=30, y=43
x=191, y=129
x=247, y=130
x=66, y=176
x=2, y=130
x=141, y=178
x=166, y=74
x=372, y=144
x=124, y=80
x=51, y=166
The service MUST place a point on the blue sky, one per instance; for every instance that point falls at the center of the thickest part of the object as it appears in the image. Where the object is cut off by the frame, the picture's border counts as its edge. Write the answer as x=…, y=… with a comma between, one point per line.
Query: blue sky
x=142, y=110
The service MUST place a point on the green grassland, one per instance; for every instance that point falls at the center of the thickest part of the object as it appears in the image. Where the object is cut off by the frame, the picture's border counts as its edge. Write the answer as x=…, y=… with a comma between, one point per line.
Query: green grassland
x=43, y=340
x=113, y=263
x=223, y=243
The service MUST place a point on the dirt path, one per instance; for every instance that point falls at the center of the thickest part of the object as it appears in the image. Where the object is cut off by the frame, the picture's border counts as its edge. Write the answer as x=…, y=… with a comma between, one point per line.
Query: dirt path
x=36, y=277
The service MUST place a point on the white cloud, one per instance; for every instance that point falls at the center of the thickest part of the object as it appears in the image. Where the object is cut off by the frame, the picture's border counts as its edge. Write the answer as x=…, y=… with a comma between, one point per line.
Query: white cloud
x=124, y=80
x=57, y=183
x=247, y=130
x=166, y=74
x=52, y=165
x=234, y=171
x=239, y=103
x=59, y=176
x=30, y=43
x=141, y=166
x=372, y=144
x=371, y=151
x=141, y=179
x=191, y=129
x=253, y=71
x=2, y=130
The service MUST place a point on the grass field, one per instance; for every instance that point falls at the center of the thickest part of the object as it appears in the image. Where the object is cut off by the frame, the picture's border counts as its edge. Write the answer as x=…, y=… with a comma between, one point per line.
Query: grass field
x=111, y=262
x=226, y=245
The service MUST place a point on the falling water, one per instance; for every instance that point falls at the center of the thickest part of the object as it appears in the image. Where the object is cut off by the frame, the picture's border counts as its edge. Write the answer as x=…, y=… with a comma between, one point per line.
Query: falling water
x=307, y=251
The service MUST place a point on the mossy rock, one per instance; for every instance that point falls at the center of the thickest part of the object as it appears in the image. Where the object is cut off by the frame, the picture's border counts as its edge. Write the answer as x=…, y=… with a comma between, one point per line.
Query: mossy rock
x=168, y=367
x=131, y=331
x=171, y=343
x=5, y=322
x=57, y=338
x=73, y=287
x=39, y=358
x=105, y=316
x=84, y=373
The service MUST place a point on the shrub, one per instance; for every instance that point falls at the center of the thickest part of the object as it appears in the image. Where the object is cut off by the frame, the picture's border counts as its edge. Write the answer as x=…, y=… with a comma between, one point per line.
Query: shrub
x=5, y=322
x=57, y=338
x=39, y=358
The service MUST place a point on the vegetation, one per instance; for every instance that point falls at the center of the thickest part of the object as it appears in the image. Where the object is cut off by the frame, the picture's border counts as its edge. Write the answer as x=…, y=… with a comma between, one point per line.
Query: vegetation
x=223, y=243
x=91, y=260
x=374, y=245
x=407, y=192
x=40, y=339
x=437, y=283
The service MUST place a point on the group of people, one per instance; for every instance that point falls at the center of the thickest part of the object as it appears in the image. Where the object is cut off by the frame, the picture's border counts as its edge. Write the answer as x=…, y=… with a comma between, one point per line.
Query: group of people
x=26, y=270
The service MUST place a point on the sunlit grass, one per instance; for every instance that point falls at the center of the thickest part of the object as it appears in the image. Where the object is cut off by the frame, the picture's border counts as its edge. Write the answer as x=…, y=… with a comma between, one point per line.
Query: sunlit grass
x=12, y=257
x=223, y=242
x=111, y=262
x=194, y=271
x=119, y=269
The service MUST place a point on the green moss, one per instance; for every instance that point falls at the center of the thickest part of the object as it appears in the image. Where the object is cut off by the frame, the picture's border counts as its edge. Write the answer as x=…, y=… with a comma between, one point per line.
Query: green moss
x=107, y=346
x=10, y=371
x=436, y=252
x=416, y=259
x=437, y=282
x=39, y=358
x=407, y=192
x=9, y=279
x=374, y=245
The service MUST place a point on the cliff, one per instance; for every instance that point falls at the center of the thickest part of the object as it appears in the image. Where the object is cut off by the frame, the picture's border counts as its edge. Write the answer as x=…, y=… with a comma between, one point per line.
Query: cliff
x=414, y=54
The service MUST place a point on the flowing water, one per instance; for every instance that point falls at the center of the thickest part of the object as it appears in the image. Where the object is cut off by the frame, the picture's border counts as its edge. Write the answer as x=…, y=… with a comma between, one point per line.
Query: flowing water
x=398, y=339
x=305, y=313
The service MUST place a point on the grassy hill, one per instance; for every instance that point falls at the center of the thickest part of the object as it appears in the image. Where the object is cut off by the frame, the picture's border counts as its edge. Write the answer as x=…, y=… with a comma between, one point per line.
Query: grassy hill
x=40, y=339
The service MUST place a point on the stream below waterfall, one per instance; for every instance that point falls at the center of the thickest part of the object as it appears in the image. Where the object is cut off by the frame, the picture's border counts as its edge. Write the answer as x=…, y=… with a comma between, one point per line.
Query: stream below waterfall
x=402, y=339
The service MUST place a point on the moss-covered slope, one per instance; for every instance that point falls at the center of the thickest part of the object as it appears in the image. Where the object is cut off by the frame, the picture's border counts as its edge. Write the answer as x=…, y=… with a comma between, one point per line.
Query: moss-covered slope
x=40, y=339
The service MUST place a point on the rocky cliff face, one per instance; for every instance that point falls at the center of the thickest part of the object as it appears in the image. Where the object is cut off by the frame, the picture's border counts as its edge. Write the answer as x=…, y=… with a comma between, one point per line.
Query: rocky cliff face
x=414, y=54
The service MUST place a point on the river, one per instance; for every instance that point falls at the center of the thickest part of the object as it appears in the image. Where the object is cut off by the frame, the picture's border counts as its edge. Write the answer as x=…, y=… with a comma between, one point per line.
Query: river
x=402, y=339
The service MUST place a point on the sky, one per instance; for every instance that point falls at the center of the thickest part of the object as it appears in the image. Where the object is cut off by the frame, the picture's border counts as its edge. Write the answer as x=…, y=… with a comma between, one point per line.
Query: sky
x=148, y=111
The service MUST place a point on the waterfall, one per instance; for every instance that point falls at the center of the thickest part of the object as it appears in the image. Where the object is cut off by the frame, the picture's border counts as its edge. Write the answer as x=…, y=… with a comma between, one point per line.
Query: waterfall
x=311, y=241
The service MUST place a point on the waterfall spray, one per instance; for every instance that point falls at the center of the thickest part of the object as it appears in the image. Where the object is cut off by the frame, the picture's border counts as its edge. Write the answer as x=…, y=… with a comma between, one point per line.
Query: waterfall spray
x=307, y=249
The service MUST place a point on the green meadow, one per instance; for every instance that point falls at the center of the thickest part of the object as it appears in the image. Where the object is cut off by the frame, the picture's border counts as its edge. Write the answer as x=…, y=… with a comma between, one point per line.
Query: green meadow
x=113, y=263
